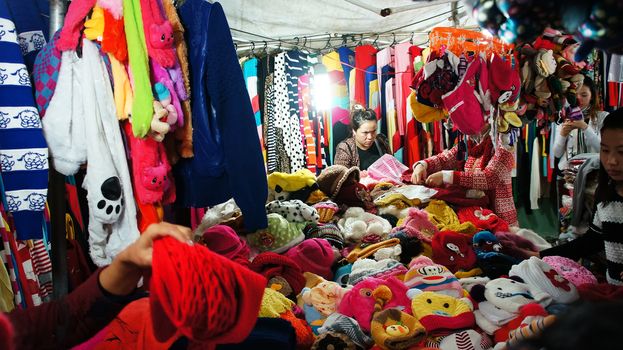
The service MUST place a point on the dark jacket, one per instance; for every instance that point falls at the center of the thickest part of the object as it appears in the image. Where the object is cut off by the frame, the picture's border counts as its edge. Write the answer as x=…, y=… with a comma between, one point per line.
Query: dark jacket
x=67, y=322
x=346, y=151
x=228, y=160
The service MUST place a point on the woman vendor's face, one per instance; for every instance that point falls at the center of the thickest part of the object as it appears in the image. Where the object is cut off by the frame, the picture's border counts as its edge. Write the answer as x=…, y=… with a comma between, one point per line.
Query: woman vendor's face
x=584, y=96
x=366, y=134
x=611, y=153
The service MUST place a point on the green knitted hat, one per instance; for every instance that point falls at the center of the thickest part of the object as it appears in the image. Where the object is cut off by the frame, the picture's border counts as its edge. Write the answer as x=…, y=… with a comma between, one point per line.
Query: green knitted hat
x=280, y=235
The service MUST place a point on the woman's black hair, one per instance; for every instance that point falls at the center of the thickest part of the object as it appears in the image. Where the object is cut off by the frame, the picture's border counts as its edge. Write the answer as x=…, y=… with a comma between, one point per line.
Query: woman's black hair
x=582, y=326
x=606, y=191
x=592, y=104
x=360, y=115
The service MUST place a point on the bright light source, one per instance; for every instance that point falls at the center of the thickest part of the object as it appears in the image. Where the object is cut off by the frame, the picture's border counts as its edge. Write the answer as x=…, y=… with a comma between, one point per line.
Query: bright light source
x=322, y=92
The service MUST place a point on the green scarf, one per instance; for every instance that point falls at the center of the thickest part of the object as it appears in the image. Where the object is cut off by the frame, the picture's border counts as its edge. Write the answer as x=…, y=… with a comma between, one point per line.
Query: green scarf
x=142, y=108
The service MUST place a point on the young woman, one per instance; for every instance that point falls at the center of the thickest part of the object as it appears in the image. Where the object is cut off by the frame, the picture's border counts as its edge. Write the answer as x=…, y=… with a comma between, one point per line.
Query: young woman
x=366, y=146
x=485, y=169
x=580, y=136
x=606, y=229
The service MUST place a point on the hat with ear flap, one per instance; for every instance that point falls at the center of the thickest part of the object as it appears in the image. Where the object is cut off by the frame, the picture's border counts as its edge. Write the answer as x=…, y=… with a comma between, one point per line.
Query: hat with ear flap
x=504, y=81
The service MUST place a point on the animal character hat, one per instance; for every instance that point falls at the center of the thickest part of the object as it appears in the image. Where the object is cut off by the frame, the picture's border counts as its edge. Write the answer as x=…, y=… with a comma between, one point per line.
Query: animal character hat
x=453, y=250
x=427, y=276
x=438, y=312
x=359, y=302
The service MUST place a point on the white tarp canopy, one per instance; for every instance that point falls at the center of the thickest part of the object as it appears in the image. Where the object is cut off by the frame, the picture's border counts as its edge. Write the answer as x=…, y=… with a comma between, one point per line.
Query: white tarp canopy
x=314, y=21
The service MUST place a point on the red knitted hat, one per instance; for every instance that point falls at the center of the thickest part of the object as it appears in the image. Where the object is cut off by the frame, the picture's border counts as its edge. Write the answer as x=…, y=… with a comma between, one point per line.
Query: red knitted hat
x=483, y=218
x=225, y=241
x=453, y=250
x=6, y=332
x=202, y=295
x=271, y=264
x=314, y=255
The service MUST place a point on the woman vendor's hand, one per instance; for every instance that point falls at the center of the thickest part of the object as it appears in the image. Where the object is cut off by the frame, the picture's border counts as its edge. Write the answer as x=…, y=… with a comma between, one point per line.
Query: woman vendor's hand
x=435, y=180
x=419, y=175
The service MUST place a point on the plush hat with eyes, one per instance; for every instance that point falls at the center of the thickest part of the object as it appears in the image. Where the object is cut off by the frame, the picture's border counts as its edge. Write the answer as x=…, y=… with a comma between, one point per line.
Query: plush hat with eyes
x=508, y=294
x=437, y=312
x=359, y=302
x=453, y=250
x=425, y=275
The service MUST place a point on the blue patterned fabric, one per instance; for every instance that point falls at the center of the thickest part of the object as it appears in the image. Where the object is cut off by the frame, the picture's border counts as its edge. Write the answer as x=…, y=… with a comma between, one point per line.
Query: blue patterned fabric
x=23, y=150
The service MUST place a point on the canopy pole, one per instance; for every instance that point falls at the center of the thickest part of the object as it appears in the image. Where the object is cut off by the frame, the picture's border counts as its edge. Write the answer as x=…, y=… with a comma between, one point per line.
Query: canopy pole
x=455, y=14
x=56, y=189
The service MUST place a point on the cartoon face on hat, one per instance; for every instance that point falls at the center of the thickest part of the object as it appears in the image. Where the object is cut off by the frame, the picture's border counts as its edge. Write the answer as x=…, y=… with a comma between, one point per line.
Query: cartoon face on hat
x=508, y=294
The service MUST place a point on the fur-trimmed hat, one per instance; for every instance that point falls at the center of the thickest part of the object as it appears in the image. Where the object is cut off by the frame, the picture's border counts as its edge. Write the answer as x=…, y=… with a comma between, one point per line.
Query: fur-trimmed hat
x=332, y=178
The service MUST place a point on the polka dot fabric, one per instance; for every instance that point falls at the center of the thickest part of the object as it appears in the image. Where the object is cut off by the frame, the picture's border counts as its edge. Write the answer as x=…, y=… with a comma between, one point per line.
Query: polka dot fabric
x=201, y=295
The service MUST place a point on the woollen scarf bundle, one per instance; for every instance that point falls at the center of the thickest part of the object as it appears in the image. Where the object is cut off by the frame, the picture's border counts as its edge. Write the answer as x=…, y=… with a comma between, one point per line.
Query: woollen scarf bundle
x=142, y=108
x=201, y=295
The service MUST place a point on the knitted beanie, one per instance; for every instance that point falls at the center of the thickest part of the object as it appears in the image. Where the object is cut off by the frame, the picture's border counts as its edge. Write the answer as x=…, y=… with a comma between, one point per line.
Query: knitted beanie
x=332, y=178
x=543, y=278
x=394, y=329
x=440, y=214
x=338, y=323
x=427, y=276
x=466, y=340
x=417, y=224
x=442, y=312
x=202, y=295
x=482, y=218
x=330, y=232
x=280, y=235
x=271, y=265
x=314, y=255
x=453, y=250
x=293, y=211
x=571, y=270
x=225, y=241
x=364, y=268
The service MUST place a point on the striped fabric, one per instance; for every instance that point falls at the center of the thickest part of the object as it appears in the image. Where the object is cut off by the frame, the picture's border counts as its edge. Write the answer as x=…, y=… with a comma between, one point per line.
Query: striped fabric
x=42, y=266
x=23, y=150
x=608, y=223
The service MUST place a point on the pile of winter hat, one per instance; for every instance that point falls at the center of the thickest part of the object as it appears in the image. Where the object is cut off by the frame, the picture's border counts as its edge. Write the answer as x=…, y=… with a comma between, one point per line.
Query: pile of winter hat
x=345, y=270
x=594, y=24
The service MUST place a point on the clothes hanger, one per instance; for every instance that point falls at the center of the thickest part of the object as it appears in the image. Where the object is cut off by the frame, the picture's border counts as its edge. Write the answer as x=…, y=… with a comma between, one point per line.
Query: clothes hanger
x=394, y=42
